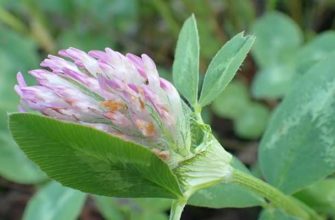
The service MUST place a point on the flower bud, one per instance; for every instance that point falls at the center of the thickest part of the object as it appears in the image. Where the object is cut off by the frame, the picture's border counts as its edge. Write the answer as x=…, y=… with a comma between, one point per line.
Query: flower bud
x=122, y=95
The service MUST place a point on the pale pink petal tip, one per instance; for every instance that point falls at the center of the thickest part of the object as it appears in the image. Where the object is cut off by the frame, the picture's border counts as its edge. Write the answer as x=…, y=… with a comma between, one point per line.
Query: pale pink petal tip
x=20, y=80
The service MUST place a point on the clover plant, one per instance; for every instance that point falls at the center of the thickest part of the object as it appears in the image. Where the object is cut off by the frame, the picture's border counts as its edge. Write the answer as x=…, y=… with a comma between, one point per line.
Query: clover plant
x=107, y=124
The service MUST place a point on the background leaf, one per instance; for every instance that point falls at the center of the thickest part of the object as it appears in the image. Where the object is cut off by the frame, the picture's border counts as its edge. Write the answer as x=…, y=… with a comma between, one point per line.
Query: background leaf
x=278, y=40
x=273, y=82
x=275, y=214
x=186, y=61
x=320, y=196
x=250, y=118
x=82, y=40
x=252, y=123
x=232, y=101
x=91, y=160
x=54, y=202
x=14, y=165
x=108, y=207
x=317, y=49
x=298, y=148
x=133, y=209
x=224, y=66
x=52, y=7
x=123, y=13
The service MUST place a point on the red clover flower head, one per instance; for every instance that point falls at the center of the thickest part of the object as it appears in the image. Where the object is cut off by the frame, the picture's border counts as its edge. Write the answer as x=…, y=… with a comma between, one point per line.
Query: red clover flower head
x=121, y=95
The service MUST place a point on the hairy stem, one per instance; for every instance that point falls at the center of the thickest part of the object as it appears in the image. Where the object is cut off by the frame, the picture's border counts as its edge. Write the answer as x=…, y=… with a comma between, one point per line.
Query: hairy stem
x=177, y=208
x=277, y=198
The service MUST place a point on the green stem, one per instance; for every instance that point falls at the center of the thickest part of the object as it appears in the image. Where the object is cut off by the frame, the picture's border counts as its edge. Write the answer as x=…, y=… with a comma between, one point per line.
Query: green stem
x=177, y=208
x=197, y=112
x=38, y=31
x=42, y=36
x=13, y=22
x=277, y=198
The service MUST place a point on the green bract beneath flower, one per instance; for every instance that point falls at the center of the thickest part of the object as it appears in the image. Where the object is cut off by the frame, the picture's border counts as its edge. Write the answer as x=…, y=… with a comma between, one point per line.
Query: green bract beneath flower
x=211, y=164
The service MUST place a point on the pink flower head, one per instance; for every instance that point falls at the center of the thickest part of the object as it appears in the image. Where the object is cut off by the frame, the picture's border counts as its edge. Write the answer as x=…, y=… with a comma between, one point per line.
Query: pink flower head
x=122, y=95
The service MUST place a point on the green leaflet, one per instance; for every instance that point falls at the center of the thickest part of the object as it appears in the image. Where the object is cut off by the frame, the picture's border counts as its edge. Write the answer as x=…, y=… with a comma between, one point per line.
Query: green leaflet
x=298, y=148
x=92, y=161
x=224, y=66
x=186, y=61
x=54, y=202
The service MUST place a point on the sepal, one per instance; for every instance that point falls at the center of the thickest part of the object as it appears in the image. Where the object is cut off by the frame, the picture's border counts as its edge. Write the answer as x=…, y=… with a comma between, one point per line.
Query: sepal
x=210, y=165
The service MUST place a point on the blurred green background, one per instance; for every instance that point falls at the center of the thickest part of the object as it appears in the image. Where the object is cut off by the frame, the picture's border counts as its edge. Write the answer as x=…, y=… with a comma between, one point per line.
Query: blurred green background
x=291, y=36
